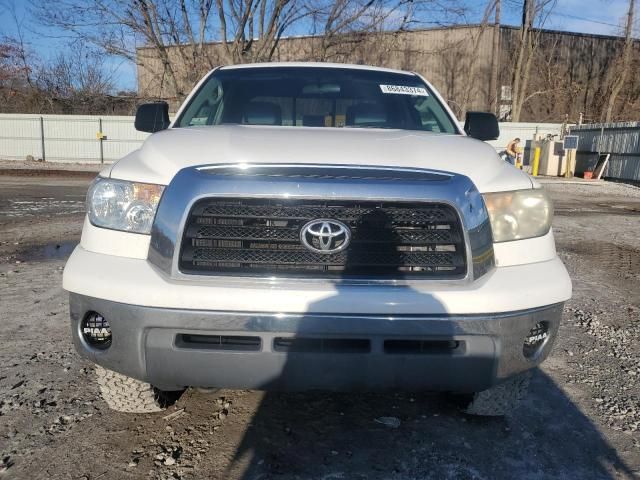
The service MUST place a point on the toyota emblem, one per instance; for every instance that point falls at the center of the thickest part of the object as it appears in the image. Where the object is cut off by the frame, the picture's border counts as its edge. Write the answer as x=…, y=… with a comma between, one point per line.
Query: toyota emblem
x=325, y=236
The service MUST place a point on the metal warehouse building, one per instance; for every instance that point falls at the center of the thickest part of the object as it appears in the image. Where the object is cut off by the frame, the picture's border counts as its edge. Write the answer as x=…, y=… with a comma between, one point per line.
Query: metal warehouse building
x=569, y=71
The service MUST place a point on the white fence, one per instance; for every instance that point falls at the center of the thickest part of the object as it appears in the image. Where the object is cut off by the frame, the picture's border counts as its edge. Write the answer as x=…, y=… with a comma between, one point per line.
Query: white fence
x=73, y=138
x=67, y=138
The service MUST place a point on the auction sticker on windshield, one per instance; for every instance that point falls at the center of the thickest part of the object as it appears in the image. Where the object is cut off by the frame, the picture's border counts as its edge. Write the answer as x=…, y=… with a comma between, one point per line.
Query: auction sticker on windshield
x=404, y=90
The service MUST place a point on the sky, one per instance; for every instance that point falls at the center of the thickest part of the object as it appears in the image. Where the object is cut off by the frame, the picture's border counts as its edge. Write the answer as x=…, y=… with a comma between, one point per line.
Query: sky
x=604, y=17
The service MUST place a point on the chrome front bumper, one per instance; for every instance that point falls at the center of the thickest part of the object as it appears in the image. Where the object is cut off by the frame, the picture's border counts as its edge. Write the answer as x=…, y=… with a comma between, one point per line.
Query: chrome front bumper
x=462, y=353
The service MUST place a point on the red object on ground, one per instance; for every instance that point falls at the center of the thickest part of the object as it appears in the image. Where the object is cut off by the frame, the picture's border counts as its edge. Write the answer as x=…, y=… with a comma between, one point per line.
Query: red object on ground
x=587, y=175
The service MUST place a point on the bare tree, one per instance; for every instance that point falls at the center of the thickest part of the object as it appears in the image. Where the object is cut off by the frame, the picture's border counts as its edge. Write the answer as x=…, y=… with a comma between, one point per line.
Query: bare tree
x=453, y=60
x=620, y=72
x=251, y=29
x=9, y=60
x=554, y=87
x=494, y=98
x=174, y=42
x=529, y=39
x=78, y=73
x=175, y=33
x=77, y=80
x=118, y=27
x=21, y=55
x=14, y=85
x=341, y=25
x=17, y=67
x=477, y=35
x=631, y=93
x=375, y=28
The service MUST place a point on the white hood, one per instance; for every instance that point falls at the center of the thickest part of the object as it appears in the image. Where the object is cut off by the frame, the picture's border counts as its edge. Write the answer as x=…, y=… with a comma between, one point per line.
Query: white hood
x=165, y=153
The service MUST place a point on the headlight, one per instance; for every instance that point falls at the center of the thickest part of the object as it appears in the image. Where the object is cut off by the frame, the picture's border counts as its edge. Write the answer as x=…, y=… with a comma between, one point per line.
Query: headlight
x=122, y=205
x=520, y=214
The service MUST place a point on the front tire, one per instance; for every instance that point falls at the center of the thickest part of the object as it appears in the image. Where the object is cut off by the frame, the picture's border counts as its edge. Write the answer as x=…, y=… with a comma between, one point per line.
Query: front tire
x=128, y=395
x=500, y=399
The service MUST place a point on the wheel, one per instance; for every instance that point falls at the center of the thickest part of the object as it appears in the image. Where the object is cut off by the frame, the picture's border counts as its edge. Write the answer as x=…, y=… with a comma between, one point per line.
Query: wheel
x=498, y=400
x=126, y=394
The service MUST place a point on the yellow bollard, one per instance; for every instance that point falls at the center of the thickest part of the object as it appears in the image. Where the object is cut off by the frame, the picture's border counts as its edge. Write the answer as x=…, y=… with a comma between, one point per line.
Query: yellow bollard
x=536, y=162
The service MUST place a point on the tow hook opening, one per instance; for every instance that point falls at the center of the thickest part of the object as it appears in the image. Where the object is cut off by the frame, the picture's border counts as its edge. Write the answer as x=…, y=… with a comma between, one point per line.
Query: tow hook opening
x=535, y=339
x=96, y=330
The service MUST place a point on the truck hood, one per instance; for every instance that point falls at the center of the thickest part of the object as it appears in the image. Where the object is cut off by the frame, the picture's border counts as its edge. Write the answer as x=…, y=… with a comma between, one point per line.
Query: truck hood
x=165, y=153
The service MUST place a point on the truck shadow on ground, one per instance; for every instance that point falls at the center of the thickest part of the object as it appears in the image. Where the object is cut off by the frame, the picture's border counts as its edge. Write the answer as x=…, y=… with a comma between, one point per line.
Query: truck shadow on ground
x=330, y=435
x=317, y=435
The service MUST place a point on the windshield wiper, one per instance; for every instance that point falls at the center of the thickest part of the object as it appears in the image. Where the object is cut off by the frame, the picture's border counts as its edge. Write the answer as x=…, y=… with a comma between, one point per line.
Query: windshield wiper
x=382, y=127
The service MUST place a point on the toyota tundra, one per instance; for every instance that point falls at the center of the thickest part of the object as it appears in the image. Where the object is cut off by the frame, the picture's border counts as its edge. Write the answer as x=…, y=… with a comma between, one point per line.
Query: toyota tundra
x=304, y=226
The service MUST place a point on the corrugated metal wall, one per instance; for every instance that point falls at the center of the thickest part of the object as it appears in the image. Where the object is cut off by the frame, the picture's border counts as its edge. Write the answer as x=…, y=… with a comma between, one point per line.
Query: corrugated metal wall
x=621, y=140
x=72, y=138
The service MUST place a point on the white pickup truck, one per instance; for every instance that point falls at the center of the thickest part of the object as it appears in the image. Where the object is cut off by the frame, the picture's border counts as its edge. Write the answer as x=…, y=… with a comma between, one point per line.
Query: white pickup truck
x=315, y=226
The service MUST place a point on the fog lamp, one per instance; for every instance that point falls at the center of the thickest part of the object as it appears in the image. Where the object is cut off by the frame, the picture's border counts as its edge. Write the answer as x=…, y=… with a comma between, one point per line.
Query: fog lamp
x=535, y=339
x=96, y=331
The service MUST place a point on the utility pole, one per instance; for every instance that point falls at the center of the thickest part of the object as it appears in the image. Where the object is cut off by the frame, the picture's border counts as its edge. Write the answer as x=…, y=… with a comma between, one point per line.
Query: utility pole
x=494, y=86
x=522, y=66
x=525, y=13
x=621, y=76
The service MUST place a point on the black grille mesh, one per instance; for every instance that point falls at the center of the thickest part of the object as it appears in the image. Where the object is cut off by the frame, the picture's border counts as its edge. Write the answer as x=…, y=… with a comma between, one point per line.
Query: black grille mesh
x=262, y=237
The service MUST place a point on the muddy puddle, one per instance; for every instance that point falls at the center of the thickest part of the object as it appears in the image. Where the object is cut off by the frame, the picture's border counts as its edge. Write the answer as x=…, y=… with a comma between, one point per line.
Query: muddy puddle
x=49, y=251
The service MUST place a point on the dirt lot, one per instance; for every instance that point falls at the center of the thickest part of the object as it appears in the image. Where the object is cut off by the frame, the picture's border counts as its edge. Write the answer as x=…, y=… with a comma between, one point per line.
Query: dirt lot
x=581, y=420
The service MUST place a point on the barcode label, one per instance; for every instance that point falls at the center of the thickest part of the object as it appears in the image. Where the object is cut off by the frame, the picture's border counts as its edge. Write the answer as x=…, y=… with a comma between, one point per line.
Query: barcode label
x=404, y=90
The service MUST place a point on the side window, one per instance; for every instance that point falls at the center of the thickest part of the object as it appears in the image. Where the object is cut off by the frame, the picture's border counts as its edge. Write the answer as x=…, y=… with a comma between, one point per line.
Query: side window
x=427, y=118
x=204, y=109
x=201, y=117
x=429, y=122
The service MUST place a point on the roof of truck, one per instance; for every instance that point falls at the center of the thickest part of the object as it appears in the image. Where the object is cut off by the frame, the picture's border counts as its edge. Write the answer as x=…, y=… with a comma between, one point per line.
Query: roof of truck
x=315, y=64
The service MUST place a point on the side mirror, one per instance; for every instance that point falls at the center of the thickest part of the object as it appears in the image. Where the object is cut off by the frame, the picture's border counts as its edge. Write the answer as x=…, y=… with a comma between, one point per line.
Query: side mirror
x=482, y=125
x=152, y=117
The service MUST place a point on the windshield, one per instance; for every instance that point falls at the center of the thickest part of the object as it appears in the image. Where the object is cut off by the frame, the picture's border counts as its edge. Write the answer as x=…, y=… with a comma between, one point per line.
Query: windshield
x=316, y=97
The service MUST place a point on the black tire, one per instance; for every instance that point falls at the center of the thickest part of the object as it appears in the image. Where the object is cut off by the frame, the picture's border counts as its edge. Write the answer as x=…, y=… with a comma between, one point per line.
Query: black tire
x=126, y=394
x=498, y=400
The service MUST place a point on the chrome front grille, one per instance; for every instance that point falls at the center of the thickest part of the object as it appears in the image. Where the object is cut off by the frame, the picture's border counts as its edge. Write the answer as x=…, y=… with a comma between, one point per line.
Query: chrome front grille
x=218, y=222
x=262, y=237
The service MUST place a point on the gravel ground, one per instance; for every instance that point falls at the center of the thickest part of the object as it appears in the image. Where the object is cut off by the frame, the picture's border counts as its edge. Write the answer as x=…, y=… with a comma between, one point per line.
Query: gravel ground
x=580, y=421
